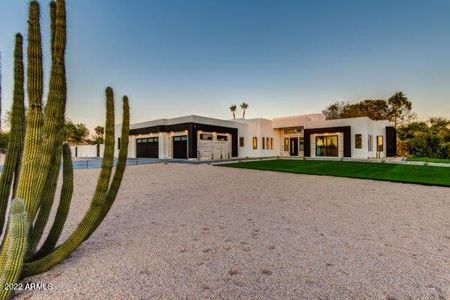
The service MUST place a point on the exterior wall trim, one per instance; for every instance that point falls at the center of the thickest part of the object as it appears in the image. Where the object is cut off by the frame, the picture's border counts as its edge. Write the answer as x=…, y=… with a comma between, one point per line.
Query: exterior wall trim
x=346, y=130
x=192, y=129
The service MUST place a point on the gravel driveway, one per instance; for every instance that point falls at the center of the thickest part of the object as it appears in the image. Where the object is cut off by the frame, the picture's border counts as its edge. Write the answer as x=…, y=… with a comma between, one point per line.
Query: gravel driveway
x=181, y=231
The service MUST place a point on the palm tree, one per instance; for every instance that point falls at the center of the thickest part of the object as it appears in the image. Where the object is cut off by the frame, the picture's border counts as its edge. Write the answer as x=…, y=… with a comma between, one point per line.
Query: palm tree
x=244, y=107
x=233, y=110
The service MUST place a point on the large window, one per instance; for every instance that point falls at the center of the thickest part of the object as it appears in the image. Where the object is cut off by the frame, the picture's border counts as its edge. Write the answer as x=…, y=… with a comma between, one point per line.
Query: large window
x=380, y=144
x=327, y=145
x=255, y=142
x=358, y=141
x=241, y=141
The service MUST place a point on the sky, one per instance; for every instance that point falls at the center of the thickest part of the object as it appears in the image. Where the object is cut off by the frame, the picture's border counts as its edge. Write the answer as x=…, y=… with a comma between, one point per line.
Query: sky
x=181, y=57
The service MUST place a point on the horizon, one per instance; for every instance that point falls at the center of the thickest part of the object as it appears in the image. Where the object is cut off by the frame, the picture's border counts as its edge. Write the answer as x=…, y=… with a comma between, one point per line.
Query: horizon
x=199, y=57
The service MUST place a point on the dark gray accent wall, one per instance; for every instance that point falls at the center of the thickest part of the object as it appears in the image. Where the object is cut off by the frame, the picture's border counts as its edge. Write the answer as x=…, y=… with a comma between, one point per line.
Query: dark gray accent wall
x=192, y=129
x=346, y=130
x=391, y=141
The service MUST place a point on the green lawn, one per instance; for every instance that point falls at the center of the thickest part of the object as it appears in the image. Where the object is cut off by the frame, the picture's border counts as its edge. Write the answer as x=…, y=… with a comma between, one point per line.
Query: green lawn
x=379, y=171
x=429, y=159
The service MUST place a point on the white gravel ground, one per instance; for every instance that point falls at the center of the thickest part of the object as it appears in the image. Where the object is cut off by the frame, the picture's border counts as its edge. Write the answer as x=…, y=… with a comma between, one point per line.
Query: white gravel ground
x=182, y=231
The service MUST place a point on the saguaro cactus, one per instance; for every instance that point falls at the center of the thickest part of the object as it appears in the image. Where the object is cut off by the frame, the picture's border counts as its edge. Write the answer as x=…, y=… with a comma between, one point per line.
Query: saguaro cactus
x=15, y=145
x=42, y=151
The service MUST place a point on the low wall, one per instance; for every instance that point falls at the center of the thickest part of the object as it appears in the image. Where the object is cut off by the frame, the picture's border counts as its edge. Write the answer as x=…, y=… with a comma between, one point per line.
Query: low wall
x=87, y=151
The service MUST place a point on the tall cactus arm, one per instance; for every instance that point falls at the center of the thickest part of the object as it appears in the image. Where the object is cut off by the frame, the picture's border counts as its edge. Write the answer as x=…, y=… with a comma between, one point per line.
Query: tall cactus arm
x=63, y=207
x=54, y=110
x=33, y=138
x=15, y=252
x=15, y=143
x=98, y=200
x=46, y=203
x=120, y=168
x=58, y=41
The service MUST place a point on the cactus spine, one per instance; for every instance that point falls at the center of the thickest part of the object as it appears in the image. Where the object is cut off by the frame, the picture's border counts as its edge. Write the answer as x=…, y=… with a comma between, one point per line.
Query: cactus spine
x=42, y=150
x=15, y=144
x=18, y=233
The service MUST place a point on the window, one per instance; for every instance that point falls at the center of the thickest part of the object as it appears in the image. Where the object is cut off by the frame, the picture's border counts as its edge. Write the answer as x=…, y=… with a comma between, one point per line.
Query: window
x=267, y=143
x=206, y=136
x=380, y=145
x=293, y=130
x=301, y=144
x=222, y=138
x=370, y=143
x=255, y=142
x=263, y=141
x=241, y=141
x=358, y=141
x=180, y=138
x=271, y=143
x=286, y=144
x=327, y=145
x=118, y=143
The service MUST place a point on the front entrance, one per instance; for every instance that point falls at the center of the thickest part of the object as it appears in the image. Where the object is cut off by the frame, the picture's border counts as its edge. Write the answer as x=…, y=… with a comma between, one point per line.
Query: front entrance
x=180, y=146
x=293, y=151
x=147, y=147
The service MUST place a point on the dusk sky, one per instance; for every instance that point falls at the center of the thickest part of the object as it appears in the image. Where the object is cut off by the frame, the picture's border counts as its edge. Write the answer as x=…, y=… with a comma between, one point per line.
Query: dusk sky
x=180, y=57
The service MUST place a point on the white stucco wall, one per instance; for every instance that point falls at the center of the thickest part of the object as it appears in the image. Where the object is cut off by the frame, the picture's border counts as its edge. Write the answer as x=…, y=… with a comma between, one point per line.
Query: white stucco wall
x=259, y=128
x=86, y=151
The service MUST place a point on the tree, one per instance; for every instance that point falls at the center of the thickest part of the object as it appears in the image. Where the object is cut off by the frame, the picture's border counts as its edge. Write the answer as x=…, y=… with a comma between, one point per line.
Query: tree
x=99, y=132
x=376, y=109
x=399, y=108
x=233, y=110
x=244, y=107
x=75, y=133
x=425, y=139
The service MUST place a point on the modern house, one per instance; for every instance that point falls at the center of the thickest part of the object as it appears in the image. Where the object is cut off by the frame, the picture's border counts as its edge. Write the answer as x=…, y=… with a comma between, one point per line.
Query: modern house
x=203, y=138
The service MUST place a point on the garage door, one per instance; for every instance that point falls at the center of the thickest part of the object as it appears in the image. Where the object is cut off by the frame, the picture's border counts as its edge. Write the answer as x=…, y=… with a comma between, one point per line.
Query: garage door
x=180, y=146
x=147, y=147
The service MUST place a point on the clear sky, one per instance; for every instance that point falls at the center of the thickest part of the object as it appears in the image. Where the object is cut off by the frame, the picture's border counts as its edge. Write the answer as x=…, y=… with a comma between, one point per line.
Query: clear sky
x=179, y=57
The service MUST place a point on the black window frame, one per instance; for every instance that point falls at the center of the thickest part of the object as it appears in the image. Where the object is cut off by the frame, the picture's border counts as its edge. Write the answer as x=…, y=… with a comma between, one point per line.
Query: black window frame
x=327, y=137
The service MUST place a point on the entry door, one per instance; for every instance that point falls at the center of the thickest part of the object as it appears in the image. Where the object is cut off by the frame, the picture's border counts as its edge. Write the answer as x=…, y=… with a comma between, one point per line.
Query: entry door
x=293, y=147
x=180, y=146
